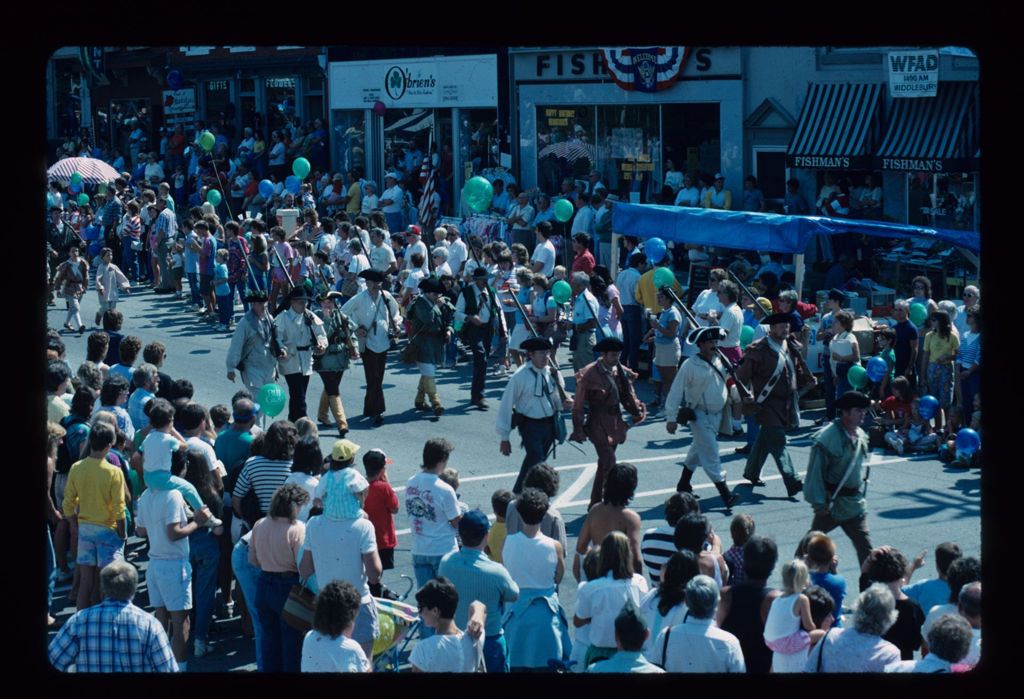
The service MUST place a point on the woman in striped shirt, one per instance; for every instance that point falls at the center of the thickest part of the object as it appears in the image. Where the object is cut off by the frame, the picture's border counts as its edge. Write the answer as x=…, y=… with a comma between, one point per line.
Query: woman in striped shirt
x=131, y=231
x=265, y=473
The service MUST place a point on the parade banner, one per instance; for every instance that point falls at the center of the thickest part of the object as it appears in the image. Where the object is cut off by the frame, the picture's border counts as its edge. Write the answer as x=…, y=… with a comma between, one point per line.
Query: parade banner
x=913, y=73
x=645, y=69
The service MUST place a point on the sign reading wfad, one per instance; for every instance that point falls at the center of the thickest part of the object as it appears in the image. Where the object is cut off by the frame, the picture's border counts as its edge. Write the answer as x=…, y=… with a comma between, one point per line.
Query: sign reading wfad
x=913, y=73
x=443, y=81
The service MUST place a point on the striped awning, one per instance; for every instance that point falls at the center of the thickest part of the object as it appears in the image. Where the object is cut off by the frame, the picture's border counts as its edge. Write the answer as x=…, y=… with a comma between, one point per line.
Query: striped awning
x=933, y=134
x=838, y=126
x=415, y=122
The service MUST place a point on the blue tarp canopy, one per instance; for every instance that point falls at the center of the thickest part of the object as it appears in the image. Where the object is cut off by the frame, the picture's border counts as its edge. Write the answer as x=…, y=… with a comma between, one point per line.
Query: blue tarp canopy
x=745, y=230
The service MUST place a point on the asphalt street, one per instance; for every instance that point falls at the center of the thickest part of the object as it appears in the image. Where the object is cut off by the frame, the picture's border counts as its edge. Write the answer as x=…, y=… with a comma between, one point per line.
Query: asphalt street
x=915, y=502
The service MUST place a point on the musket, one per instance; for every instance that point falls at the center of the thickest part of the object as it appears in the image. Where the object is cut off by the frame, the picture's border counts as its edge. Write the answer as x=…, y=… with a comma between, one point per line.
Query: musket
x=501, y=313
x=746, y=290
x=287, y=276
x=692, y=319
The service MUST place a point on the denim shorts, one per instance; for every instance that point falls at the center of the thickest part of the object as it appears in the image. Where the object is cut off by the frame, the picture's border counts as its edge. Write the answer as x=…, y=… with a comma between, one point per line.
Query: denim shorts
x=205, y=283
x=366, y=628
x=169, y=582
x=98, y=546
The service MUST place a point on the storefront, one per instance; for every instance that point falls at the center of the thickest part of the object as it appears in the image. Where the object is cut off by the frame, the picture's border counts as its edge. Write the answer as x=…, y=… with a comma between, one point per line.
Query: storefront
x=387, y=114
x=575, y=115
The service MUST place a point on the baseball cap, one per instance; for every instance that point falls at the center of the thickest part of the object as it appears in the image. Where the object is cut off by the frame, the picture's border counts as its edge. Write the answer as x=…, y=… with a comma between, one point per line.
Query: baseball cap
x=376, y=458
x=719, y=176
x=474, y=524
x=247, y=415
x=344, y=450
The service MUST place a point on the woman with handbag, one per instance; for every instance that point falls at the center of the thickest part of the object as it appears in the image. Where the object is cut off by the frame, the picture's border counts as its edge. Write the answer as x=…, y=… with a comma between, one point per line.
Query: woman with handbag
x=331, y=365
x=274, y=548
x=73, y=277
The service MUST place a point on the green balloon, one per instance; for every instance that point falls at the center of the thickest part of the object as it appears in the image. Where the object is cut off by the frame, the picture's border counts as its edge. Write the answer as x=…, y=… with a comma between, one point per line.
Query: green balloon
x=271, y=399
x=663, y=277
x=563, y=210
x=561, y=292
x=207, y=141
x=478, y=194
x=76, y=178
x=857, y=376
x=83, y=199
x=301, y=168
x=918, y=314
x=746, y=336
x=213, y=197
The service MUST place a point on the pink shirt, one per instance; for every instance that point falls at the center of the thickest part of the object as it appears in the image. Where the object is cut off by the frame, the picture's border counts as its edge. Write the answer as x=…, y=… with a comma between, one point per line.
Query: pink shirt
x=275, y=543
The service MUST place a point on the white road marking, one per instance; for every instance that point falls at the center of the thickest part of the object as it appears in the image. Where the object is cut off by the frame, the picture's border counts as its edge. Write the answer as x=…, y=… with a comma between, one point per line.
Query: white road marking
x=577, y=485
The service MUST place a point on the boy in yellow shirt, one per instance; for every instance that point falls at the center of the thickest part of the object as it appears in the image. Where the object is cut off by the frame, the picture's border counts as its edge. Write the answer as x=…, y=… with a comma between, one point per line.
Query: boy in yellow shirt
x=496, y=536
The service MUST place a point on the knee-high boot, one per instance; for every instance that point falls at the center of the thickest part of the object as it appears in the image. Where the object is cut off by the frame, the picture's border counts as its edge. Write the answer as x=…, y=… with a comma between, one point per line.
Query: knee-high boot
x=728, y=498
x=338, y=410
x=421, y=397
x=321, y=413
x=435, y=400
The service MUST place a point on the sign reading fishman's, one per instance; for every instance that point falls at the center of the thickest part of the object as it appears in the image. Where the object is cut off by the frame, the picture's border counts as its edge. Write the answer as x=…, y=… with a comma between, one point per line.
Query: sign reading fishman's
x=820, y=161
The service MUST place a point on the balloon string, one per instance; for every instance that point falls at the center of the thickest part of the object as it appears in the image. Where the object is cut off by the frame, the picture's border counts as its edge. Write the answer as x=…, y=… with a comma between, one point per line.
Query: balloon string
x=225, y=196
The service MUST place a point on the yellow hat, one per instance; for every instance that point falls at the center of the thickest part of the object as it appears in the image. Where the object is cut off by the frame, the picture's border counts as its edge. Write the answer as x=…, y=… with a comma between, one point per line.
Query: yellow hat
x=344, y=450
x=765, y=305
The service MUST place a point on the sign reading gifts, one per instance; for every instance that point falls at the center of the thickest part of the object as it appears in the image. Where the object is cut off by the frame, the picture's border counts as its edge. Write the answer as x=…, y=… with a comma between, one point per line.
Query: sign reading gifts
x=913, y=73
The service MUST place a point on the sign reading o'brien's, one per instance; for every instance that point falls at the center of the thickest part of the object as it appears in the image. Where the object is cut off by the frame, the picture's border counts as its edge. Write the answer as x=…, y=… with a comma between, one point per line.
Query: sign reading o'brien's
x=448, y=81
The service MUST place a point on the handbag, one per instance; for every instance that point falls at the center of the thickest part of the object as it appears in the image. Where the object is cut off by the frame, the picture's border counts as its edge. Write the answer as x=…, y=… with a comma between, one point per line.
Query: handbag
x=410, y=351
x=298, y=608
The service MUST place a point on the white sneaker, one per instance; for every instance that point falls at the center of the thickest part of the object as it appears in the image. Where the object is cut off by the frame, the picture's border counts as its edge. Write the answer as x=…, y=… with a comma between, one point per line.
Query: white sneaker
x=899, y=446
x=201, y=648
x=213, y=522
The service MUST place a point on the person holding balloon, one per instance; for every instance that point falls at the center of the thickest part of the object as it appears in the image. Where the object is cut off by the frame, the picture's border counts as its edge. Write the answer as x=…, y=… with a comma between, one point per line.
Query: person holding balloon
x=300, y=335
x=941, y=346
x=844, y=352
x=253, y=351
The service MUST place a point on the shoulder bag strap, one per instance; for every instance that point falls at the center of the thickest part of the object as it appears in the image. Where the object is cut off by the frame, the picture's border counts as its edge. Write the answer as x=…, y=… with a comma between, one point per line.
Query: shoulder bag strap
x=664, y=648
x=821, y=649
x=776, y=375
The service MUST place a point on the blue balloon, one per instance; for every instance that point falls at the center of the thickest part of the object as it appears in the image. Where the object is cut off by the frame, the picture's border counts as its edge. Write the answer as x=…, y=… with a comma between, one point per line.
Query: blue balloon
x=174, y=80
x=877, y=369
x=292, y=184
x=266, y=189
x=967, y=441
x=928, y=406
x=655, y=249
x=75, y=188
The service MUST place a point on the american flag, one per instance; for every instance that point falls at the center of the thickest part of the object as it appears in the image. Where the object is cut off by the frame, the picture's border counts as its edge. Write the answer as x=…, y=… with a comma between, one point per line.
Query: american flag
x=426, y=219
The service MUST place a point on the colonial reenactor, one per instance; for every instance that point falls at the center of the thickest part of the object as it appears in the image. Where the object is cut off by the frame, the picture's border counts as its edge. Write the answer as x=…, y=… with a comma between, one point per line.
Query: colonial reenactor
x=253, y=350
x=377, y=318
x=698, y=396
x=773, y=373
x=430, y=333
x=601, y=388
x=835, y=484
x=331, y=365
x=300, y=335
x=477, y=309
x=531, y=403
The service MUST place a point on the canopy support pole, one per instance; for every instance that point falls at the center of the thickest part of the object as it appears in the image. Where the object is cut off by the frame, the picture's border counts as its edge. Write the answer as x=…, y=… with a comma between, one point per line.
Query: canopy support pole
x=798, y=264
x=615, y=255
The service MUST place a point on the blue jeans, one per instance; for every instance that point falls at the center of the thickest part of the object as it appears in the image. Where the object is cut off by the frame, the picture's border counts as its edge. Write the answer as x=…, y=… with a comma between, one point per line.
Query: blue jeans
x=830, y=389
x=496, y=653
x=842, y=385
x=51, y=570
x=225, y=308
x=451, y=350
x=163, y=480
x=130, y=260
x=476, y=346
x=632, y=333
x=204, y=555
x=193, y=288
x=241, y=286
x=247, y=574
x=538, y=436
x=396, y=222
x=282, y=645
x=425, y=568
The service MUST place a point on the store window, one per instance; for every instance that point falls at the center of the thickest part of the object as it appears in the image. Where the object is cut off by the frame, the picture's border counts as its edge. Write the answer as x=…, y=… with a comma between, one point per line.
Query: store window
x=218, y=100
x=692, y=138
x=629, y=151
x=349, y=140
x=942, y=201
x=770, y=171
x=565, y=145
x=280, y=101
x=67, y=83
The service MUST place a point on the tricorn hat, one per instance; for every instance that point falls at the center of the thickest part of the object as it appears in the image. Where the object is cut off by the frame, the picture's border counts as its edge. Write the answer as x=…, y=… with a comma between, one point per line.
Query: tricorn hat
x=609, y=344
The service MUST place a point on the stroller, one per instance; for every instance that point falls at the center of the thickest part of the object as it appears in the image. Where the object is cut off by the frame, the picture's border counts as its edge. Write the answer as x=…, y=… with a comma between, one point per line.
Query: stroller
x=398, y=624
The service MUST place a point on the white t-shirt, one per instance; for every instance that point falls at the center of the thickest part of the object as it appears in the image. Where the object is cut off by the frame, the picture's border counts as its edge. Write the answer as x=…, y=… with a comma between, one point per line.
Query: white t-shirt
x=420, y=247
x=545, y=253
x=601, y=601
x=397, y=197
x=412, y=282
x=357, y=265
x=370, y=203
x=212, y=461
x=381, y=258
x=626, y=282
x=451, y=653
x=431, y=504
x=338, y=546
x=322, y=653
x=157, y=509
x=532, y=562
x=156, y=451
x=307, y=483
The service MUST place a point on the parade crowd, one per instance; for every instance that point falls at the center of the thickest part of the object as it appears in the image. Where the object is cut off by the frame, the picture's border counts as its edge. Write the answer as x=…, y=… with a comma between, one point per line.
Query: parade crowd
x=227, y=498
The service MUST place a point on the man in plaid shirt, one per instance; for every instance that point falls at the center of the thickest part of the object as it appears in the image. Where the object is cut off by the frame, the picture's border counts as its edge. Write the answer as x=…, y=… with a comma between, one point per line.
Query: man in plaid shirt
x=115, y=635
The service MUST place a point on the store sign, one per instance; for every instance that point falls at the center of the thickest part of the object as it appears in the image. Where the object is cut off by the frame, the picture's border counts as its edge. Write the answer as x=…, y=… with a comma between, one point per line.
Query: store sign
x=559, y=117
x=820, y=161
x=179, y=101
x=456, y=81
x=568, y=66
x=215, y=85
x=913, y=73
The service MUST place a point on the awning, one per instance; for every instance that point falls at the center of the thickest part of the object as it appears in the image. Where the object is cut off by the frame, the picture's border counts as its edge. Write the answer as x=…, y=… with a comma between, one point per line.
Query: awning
x=838, y=127
x=418, y=121
x=933, y=134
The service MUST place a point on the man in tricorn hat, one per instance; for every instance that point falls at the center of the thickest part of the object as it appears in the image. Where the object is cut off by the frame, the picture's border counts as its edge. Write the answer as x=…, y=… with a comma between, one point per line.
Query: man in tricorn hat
x=300, y=334
x=376, y=316
x=430, y=332
x=772, y=373
x=601, y=387
x=698, y=396
x=331, y=365
x=477, y=309
x=253, y=349
x=835, y=486
x=531, y=402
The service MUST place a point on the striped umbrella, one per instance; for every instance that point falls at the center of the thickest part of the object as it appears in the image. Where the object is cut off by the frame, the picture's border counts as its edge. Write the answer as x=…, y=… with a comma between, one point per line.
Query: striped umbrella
x=571, y=151
x=92, y=170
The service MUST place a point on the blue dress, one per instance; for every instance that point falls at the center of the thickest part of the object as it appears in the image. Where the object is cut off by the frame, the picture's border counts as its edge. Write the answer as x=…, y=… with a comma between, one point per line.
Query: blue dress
x=536, y=629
